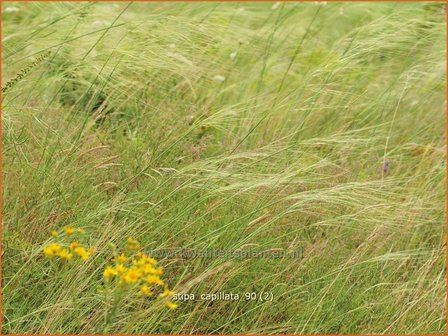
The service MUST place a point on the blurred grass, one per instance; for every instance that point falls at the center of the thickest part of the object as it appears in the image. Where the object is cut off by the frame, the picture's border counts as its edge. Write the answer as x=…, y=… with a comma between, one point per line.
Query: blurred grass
x=223, y=126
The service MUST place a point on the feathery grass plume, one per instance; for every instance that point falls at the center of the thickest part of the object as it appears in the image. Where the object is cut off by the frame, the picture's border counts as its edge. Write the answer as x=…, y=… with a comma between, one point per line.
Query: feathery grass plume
x=25, y=71
x=291, y=153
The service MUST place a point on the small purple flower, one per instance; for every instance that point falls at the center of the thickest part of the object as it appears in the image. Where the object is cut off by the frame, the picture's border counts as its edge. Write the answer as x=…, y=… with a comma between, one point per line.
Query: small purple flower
x=386, y=166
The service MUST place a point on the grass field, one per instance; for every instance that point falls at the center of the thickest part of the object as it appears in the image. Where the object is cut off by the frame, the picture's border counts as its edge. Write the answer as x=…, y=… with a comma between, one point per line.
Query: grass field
x=269, y=128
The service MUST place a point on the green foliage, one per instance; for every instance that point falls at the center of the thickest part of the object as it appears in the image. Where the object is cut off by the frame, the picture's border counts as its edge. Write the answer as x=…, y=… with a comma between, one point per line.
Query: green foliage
x=228, y=126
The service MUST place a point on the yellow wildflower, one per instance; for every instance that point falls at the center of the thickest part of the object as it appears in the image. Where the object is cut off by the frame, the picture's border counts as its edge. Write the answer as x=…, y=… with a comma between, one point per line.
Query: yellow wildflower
x=109, y=272
x=133, y=244
x=65, y=255
x=120, y=268
x=153, y=279
x=158, y=271
x=167, y=292
x=69, y=230
x=82, y=253
x=131, y=276
x=52, y=250
x=74, y=245
x=132, y=241
x=145, y=290
x=121, y=258
x=144, y=261
x=149, y=260
x=54, y=233
x=171, y=305
x=148, y=269
x=138, y=262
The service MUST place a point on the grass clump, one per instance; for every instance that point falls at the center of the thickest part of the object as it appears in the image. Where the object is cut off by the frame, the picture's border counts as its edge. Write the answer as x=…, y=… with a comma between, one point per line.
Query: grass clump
x=201, y=127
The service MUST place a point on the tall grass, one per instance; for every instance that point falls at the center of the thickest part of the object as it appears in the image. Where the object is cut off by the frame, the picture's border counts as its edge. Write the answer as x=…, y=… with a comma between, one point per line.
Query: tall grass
x=228, y=126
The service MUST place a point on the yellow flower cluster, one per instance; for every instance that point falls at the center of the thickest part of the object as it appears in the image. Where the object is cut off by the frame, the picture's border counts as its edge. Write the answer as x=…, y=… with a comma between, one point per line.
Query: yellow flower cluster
x=141, y=270
x=67, y=253
x=133, y=244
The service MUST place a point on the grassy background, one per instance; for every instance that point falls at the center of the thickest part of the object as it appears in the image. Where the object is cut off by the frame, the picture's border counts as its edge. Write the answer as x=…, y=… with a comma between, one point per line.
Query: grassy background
x=228, y=126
